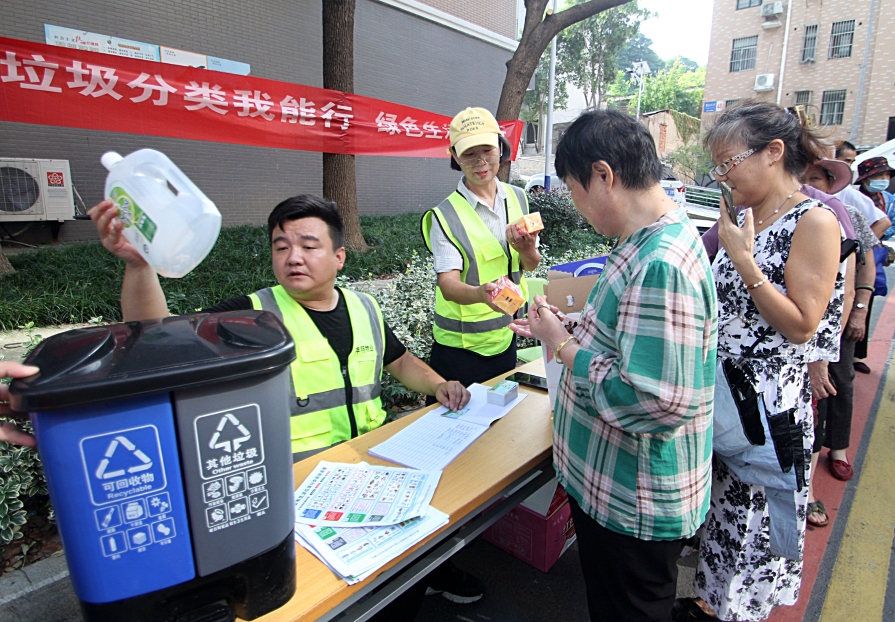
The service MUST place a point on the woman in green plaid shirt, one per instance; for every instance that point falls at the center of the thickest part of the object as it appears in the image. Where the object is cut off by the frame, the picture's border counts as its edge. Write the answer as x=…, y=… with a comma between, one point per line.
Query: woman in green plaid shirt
x=632, y=426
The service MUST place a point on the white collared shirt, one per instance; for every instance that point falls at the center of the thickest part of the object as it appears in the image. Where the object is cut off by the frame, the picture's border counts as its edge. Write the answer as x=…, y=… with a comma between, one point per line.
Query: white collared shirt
x=445, y=255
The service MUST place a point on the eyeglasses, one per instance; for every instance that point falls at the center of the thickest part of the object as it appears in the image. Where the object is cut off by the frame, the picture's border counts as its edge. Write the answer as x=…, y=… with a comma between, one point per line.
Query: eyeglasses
x=490, y=158
x=724, y=168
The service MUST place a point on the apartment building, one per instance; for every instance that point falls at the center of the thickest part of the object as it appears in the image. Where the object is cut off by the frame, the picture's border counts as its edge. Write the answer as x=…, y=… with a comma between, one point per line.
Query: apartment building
x=837, y=57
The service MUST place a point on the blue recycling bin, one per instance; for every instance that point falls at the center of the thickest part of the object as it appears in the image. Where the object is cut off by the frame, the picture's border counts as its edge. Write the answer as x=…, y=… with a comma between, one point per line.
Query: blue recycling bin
x=166, y=447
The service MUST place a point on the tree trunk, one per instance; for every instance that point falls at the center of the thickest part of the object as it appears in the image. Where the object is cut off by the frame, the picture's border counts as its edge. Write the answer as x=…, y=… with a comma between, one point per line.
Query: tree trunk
x=5, y=266
x=537, y=33
x=339, y=175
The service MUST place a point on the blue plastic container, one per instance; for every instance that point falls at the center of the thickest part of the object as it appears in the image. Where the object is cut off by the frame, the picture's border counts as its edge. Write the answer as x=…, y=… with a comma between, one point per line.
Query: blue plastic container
x=168, y=458
x=114, y=477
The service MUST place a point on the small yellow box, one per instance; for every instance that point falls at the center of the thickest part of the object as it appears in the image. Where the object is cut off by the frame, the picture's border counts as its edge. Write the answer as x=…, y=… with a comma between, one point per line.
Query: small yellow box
x=508, y=296
x=530, y=223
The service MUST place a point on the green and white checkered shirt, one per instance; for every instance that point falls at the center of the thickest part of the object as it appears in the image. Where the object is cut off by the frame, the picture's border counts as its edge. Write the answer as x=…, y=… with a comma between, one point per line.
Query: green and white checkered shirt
x=632, y=431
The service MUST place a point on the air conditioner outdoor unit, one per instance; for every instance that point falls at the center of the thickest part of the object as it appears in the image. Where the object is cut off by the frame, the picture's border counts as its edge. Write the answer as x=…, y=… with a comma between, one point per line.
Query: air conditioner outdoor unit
x=772, y=9
x=35, y=190
x=764, y=82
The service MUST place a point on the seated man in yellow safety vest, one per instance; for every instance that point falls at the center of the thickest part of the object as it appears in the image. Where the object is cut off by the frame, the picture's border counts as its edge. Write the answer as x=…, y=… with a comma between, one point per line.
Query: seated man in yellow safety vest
x=341, y=340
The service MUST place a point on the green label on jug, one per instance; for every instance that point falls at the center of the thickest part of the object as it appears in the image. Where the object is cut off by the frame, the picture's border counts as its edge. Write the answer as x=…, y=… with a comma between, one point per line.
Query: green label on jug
x=131, y=215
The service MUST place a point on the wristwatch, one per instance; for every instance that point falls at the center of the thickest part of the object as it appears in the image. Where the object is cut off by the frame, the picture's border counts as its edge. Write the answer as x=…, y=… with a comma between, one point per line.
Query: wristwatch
x=860, y=305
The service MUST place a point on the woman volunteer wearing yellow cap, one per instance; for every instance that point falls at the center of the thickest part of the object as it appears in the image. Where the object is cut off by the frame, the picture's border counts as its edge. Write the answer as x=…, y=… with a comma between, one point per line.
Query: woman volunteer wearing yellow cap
x=473, y=246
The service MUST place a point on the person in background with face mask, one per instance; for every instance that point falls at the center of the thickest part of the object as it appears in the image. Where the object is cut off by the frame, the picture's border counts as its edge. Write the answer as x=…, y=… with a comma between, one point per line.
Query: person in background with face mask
x=874, y=176
x=876, y=218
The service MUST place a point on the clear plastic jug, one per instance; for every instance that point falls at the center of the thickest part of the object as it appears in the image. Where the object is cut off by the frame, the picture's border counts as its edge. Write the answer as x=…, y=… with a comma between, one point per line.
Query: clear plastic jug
x=165, y=216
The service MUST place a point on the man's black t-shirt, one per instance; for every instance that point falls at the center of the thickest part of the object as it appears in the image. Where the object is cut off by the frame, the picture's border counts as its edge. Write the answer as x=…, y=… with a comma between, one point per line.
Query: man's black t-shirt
x=335, y=326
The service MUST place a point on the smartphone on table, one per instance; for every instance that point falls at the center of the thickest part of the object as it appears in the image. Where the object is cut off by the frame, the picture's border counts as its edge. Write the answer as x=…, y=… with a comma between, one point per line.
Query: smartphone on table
x=529, y=380
x=728, y=200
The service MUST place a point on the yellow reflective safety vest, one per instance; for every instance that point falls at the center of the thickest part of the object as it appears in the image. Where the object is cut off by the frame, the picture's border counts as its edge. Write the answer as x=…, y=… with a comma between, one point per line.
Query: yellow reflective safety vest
x=476, y=327
x=319, y=412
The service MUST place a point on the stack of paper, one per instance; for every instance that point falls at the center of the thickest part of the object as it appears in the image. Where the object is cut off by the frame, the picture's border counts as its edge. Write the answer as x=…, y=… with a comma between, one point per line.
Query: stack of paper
x=439, y=436
x=356, y=517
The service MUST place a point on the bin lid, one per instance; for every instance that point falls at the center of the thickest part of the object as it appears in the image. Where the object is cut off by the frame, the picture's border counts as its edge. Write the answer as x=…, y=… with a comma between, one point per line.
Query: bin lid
x=102, y=363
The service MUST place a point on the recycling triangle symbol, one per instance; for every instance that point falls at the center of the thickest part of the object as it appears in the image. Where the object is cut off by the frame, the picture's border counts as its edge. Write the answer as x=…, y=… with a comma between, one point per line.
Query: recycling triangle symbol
x=231, y=445
x=145, y=462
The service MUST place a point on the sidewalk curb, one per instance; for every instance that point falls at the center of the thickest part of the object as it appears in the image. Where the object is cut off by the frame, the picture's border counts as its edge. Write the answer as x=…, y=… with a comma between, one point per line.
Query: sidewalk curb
x=41, y=591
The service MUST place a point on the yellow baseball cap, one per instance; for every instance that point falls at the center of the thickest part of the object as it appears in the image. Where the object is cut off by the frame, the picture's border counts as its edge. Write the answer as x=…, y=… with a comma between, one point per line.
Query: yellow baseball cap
x=472, y=128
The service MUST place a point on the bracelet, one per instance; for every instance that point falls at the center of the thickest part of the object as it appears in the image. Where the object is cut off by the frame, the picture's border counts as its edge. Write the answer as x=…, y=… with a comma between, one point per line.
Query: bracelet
x=757, y=285
x=869, y=288
x=561, y=346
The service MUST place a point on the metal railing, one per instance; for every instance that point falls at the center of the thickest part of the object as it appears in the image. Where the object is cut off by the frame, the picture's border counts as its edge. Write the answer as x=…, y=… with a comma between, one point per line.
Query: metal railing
x=706, y=197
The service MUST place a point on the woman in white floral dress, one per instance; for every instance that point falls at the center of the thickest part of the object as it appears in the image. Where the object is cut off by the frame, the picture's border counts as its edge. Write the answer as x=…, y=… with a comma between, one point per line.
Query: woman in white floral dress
x=775, y=277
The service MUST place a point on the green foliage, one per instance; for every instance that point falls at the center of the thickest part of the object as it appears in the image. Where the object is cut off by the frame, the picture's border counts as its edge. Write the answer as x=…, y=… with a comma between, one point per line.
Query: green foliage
x=687, y=126
x=564, y=228
x=674, y=88
x=83, y=281
x=690, y=162
x=22, y=484
x=638, y=48
x=534, y=103
x=589, y=49
x=408, y=306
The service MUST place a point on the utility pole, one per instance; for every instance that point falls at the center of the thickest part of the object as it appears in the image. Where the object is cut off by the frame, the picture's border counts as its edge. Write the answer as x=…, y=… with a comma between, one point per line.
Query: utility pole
x=548, y=133
x=641, y=68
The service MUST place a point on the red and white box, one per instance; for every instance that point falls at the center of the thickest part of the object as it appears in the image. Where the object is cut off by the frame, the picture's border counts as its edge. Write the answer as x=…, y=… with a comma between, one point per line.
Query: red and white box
x=538, y=530
x=508, y=296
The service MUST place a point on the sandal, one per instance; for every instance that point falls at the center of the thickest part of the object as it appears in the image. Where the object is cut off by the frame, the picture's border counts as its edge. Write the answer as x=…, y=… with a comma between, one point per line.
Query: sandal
x=687, y=610
x=817, y=507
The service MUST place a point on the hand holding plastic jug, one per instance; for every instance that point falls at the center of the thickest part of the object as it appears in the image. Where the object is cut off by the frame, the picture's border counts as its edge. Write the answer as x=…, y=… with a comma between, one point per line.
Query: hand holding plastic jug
x=165, y=216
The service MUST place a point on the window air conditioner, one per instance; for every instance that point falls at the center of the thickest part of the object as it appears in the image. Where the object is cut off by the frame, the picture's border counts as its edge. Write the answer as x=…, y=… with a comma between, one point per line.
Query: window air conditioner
x=772, y=9
x=35, y=190
x=764, y=82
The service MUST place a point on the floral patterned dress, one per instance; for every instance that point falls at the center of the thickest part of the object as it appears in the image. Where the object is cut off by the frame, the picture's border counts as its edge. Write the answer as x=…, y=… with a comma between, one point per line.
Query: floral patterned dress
x=737, y=575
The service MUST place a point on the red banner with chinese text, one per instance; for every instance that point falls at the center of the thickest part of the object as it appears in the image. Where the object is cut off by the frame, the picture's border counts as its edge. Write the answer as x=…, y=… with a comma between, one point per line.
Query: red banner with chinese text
x=50, y=85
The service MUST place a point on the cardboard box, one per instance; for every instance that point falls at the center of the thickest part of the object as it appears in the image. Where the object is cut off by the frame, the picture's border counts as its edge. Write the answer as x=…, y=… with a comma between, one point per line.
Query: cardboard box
x=570, y=284
x=538, y=530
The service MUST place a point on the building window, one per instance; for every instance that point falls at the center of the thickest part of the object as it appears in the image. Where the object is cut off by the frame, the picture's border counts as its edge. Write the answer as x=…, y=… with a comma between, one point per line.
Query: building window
x=745, y=4
x=832, y=107
x=730, y=102
x=742, y=55
x=803, y=98
x=841, y=39
x=809, y=43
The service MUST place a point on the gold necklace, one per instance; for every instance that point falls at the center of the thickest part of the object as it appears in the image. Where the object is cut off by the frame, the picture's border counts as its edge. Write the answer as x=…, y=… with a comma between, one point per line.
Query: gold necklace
x=777, y=211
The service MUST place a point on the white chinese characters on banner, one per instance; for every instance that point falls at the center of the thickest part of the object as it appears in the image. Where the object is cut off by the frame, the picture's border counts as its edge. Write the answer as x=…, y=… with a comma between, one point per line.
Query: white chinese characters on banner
x=161, y=87
x=36, y=73
x=386, y=122
x=102, y=80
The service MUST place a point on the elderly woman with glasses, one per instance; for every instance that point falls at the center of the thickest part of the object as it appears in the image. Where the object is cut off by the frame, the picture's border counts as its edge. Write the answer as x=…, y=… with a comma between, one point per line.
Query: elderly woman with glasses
x=776, y=274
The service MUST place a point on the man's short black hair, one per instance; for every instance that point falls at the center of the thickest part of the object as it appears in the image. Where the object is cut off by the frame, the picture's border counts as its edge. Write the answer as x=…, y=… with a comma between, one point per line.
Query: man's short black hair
x=309, y=206
x=616, y=138
x=844, y=146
